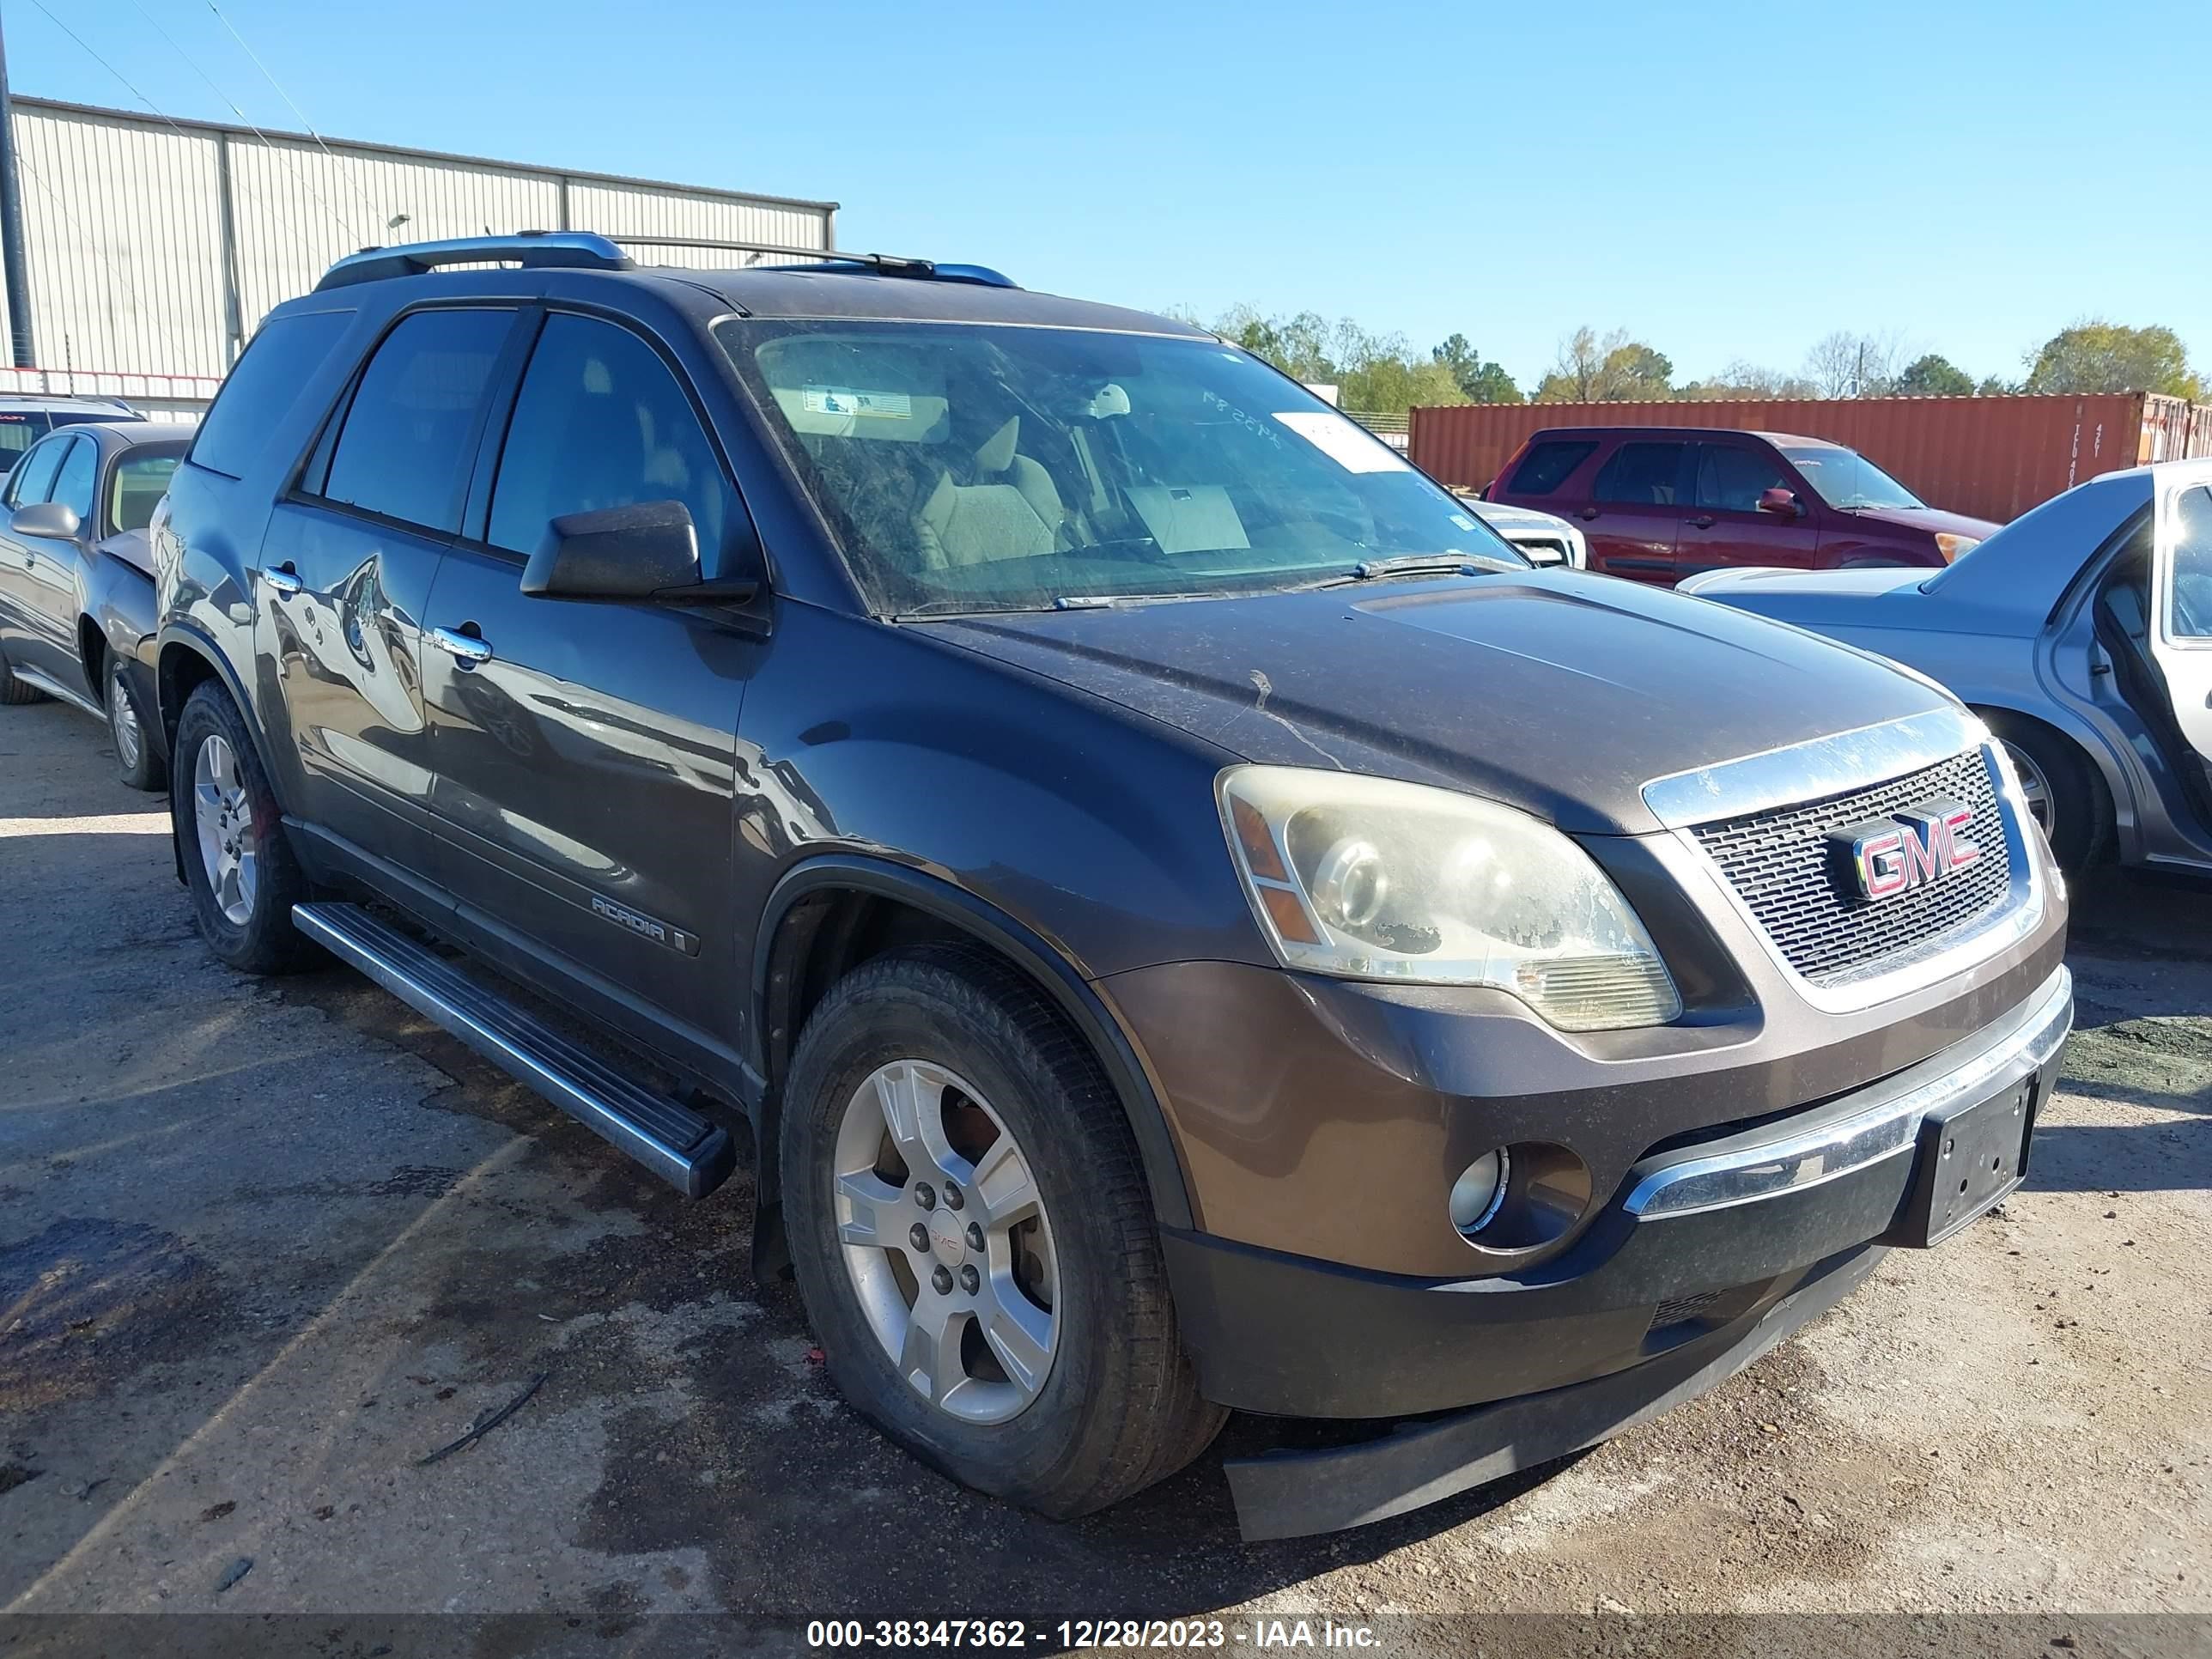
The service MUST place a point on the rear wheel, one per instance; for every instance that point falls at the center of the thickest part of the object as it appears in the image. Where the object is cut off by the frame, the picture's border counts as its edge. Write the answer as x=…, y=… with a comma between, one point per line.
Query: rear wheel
x=239, y=867
x=13, y=690
x=141, y=767
x=2061, y=789
x=974, y=1240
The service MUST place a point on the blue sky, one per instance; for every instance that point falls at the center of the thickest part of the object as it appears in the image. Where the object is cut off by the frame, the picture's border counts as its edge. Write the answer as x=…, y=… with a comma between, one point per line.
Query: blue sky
x=1724, y=180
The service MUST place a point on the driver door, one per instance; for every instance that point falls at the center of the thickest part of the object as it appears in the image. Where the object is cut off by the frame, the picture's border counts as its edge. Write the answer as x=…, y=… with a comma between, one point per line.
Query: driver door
x=2181, y=600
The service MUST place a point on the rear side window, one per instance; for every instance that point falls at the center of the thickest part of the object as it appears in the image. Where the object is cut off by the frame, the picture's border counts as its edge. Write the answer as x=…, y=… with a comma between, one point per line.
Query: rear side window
x=73, y=483
x=1640, y=475
x=1731, y=477
x=409, y=438
x=1546, y=467
x=600, y=421
x=2190, y=611
x=261, y=387
x=18, y=432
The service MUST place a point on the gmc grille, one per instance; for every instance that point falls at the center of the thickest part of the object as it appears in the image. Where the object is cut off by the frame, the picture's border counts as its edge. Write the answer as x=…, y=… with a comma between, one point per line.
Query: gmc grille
x=1780, y=864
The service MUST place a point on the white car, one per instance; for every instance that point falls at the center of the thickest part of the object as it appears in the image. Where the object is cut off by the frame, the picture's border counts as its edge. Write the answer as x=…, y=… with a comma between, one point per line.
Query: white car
x=1544, y=539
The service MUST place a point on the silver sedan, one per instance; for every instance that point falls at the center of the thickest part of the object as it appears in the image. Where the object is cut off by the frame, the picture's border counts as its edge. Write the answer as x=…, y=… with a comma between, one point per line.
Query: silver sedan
x=2082, y=632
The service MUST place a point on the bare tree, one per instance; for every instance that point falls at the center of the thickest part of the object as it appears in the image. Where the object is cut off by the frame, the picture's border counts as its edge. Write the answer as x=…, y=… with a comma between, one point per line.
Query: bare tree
x=1847, y=364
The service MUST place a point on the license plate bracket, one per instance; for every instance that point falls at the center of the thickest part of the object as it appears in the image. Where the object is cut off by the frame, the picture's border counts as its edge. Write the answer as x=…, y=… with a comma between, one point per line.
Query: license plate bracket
x=1970, y=1157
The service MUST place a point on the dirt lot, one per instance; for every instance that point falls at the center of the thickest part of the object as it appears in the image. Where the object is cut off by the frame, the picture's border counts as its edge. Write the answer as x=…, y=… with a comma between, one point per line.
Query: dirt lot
x=263, y=1246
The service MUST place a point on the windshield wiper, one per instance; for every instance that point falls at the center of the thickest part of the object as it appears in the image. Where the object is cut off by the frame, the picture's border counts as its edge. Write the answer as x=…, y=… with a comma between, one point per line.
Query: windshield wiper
x=1417, y=564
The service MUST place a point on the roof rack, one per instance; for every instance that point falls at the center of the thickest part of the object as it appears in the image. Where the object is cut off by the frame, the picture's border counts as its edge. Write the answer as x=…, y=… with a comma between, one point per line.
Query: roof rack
x=892, y=265
x=577, y=250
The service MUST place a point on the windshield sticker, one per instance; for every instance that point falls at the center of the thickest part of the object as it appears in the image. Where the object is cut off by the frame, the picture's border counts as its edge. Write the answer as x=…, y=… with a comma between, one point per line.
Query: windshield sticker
x=1460, y=523
x=845, y=400
x=1343, y=443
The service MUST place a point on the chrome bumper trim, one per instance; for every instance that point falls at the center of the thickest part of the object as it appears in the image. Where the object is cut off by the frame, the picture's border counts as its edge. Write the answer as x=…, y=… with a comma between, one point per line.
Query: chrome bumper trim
x=1884, y=1129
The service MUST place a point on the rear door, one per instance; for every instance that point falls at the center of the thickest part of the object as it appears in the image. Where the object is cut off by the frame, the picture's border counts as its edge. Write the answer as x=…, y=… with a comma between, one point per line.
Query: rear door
x=52, y=567
x=27, y=485
x=1634, y=516
x=2181, y=600
x=347, y=566
x=585, y=754
x=1725, y=527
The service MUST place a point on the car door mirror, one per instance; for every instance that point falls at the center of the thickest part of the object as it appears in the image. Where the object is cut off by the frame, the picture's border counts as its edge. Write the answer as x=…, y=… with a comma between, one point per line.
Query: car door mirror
x=49, y=518
x=1781, y=502
x=641, y=551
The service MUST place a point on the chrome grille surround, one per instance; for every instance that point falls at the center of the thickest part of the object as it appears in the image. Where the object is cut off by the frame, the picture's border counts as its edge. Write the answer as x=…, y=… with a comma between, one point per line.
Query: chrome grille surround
x=1831, y=772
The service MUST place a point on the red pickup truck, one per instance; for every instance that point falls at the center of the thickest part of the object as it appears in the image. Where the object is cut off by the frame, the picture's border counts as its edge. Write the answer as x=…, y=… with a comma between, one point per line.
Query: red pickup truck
x=1660, y=504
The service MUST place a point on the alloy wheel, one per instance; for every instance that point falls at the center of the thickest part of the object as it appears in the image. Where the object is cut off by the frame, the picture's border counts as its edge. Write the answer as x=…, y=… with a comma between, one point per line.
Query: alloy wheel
x=123, y=721
x=2034, y=786
x=946, y=1241
x=224, y=817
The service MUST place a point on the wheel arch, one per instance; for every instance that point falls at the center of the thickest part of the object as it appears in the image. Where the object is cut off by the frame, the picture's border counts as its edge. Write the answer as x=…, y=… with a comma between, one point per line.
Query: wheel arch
x=2115, y=801
x=184, y=659
x=817, y=914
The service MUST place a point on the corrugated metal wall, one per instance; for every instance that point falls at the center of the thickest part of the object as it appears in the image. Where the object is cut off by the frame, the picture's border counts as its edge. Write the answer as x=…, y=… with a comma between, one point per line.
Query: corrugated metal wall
x=1994, y=457
x=154, y=247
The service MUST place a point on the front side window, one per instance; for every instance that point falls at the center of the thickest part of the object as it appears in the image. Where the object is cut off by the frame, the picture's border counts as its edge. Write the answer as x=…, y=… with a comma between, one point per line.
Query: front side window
x=975, y=467
x=1640, y=475
x=73, y=482
x=136, y=488
x=31, y=481
x=1846, y=479
x=409, y=439
x=1732, y=477
x=2190, y=610
x=601, y=421
x=1546, y=467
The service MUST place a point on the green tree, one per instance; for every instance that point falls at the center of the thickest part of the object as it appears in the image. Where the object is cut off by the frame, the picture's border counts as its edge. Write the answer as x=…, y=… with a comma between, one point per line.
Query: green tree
x=1746, y=379
x=1933, y=376
x=1479, y=381
x=1995, y=386
x=2095, y=355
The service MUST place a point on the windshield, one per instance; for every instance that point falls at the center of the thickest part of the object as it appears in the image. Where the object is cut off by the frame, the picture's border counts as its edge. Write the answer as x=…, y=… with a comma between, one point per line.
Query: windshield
x=1846, y=478
x=980, y=467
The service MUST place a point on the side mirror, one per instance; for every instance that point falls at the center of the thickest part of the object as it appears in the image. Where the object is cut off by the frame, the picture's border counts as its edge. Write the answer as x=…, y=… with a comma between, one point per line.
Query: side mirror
x=49, y=518
x=1783, y=502
x=647, y=551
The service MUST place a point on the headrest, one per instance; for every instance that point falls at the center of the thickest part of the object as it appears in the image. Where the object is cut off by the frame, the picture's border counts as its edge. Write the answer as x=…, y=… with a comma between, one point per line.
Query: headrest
x=997, y=452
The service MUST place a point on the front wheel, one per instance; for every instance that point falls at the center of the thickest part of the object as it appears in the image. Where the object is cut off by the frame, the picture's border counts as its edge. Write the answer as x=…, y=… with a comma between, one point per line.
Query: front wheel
x=135, y=756
x=239, y=867
x=974, y=1240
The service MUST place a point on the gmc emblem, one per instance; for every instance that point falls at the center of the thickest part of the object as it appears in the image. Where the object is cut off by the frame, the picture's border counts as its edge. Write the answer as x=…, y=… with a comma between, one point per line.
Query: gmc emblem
x=1917, y=849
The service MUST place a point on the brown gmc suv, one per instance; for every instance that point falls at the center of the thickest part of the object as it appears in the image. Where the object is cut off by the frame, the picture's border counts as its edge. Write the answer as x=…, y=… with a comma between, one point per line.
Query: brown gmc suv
x=1191, y=921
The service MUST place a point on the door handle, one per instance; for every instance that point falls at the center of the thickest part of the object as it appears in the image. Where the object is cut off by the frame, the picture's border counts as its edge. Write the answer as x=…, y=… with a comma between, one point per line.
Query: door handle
x=1703, y=521
x=284, y=581
x=465, y=648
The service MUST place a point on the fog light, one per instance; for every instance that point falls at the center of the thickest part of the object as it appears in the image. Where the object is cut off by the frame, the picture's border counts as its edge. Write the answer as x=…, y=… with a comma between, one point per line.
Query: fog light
x=1480, y=1188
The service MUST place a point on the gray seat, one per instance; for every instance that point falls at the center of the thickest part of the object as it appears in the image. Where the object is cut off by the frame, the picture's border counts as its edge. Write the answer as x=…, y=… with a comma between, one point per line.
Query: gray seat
x=1012, y=510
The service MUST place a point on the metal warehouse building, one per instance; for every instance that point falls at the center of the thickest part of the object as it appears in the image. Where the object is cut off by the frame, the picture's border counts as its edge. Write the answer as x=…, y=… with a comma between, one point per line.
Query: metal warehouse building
x=153, y=247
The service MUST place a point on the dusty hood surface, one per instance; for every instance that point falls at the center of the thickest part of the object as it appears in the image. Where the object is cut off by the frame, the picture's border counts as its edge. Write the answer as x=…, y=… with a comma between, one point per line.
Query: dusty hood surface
x=1559, y=692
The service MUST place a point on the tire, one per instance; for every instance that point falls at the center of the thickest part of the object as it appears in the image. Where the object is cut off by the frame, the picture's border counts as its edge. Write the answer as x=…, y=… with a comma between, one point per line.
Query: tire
x=129, y=726
x=14, y=691
x=2064, y=790
x=1115, y=1407
x=217, y=785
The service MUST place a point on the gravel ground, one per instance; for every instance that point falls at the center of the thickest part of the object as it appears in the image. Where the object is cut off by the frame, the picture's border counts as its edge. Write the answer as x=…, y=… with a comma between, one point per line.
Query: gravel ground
x=266, y=1245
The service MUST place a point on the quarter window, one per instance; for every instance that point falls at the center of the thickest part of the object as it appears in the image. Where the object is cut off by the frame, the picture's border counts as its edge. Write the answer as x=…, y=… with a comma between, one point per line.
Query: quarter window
x=409, y=438
x=1640, y=475
x=1546, y=467
x=261, y=386
x=1731, y=478
x=73, y=483
x=601, y=421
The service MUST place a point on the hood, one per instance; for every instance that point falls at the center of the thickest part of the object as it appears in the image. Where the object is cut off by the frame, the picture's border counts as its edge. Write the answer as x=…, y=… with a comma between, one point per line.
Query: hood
x=1498, y=516
x=1558, y=692
x=1932, y=519
x=134, y=547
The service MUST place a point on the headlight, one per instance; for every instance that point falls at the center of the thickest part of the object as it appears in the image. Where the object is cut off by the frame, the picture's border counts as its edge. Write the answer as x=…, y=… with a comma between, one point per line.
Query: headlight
x=1368, y=878
x=1954, y=548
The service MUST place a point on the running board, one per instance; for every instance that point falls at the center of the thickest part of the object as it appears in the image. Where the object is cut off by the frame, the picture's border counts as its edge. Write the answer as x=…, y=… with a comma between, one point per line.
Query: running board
x=683, y=1148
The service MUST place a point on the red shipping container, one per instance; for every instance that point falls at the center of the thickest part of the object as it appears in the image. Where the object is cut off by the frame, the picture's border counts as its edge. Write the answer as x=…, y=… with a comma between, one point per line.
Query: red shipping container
x=1993, y=458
